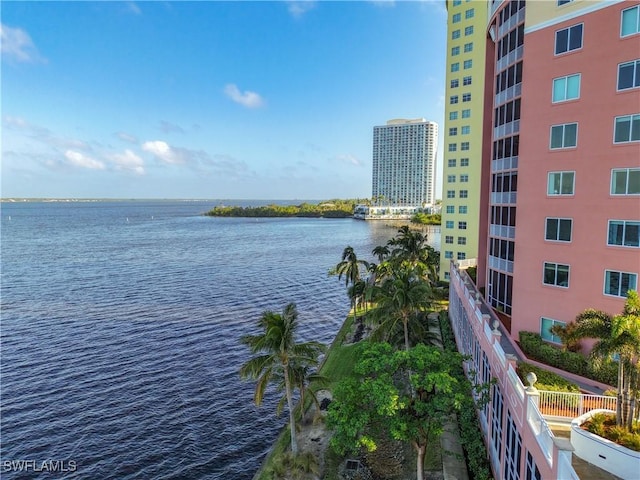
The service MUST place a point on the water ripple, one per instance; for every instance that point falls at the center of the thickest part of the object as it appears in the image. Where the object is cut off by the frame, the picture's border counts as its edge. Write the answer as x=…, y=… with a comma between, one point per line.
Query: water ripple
x=120, y=341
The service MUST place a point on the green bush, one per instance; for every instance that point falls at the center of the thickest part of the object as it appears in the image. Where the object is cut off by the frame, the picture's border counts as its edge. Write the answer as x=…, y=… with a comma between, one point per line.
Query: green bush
x=468, y=422
x=536, y=348
x=546, y=380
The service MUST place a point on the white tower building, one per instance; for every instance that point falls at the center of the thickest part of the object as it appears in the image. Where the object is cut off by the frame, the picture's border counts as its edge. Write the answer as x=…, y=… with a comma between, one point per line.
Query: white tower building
x=404, y=162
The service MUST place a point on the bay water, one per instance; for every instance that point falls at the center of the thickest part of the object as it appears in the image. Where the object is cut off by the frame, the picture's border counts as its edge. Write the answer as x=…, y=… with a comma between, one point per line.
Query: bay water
x=120, y=327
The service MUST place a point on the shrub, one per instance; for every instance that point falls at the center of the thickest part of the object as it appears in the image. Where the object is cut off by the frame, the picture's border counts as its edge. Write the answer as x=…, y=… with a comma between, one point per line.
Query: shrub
x=468, y=422
x=546, y=380
x=534, y=347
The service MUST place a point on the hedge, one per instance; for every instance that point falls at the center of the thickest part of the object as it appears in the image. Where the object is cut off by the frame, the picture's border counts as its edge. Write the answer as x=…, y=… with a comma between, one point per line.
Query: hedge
x=534, y=347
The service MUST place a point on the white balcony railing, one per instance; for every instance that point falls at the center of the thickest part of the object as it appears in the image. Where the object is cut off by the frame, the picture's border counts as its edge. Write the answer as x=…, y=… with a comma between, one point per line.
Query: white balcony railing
x=572, y=405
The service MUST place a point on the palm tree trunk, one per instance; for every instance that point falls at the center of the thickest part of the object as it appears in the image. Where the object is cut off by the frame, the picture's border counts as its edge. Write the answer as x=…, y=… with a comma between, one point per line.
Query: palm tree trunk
x=405, y=324
x=619, y=393
x=292, y=418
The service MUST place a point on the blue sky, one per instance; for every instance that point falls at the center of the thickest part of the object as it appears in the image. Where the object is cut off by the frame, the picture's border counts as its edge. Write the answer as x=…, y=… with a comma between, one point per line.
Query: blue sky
x=262, y=100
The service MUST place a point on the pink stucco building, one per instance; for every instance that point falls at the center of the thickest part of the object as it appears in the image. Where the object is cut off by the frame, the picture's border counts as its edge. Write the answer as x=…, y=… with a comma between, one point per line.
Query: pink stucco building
x=560, y=202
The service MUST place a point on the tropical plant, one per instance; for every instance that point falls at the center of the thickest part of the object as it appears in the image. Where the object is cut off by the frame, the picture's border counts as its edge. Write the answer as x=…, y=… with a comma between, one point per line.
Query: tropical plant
x=276, y=350
x=291, y=466
x=349, y=267
x=400, y=299
x=303, y=375
x=618, y=337
x=381, y=401
x=410, y=246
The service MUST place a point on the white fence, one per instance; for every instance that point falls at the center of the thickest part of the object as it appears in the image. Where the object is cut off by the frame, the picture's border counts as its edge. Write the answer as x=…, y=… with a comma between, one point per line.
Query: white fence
x=572, y=405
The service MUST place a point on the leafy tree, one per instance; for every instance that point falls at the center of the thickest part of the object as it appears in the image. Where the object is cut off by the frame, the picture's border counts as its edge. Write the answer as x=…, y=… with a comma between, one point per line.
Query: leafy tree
x=410, y=246
x=384, y=400
x=382, y=252
x=275, y=351
x=617, y=336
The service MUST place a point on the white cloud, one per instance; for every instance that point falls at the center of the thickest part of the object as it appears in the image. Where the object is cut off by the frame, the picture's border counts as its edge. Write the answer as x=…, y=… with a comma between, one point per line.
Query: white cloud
x=299, y=8
x=349, y=159
x=129, y=161
x=78, y=159
x=132, y=7
x=246, y=98
x=16, y=44
x=164, y=152
x=127, y=137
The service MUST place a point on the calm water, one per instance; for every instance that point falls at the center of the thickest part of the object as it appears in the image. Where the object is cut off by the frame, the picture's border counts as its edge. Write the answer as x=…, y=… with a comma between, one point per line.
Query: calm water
x=120, y=328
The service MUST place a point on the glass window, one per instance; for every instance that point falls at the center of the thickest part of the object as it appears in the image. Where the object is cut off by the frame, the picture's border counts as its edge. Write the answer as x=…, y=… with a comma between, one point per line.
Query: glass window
x=464, y=162
x=624, y=181
x=448, y=239
x=564, y=136
x=569, y=39
x=545, y=330
x=560, y=183
x=464, y=178
x=462, y=209
x=449, y=224
x=462, y=256
x=624, y=233
x=455, y=67
x=451, y=162
x=466, y=97
x=456, y=2
x=468, y=30
x=629, y=75
x=627, y=129
x=453, y=147
x=451, y=194
x=456, y=18
x=451, y=179
x=464, y=193
x=462, y=225
x=566, y=88
x=451, y=209
x=453, y=131
x=455, y=51
x=619, y=283
x=464, y=146
x=448, y=254
x=563, y=2
x=556, y=274
x=466, y=80
x=453, y=99
x=469, y=13
x=630, y=23
x=558, y=229
x=462, y=240
x=455, y=34
x=468, y=64
x=454, y=83
x=468, y=47
x=466, y=113
x=453, y=115
x=465, y=130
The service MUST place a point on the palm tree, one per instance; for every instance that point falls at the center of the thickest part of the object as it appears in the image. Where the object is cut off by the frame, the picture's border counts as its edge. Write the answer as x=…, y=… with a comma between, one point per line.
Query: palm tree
x=275, y=349
x=382, y=252
x=411, y=246
x=349, y=266
x=302, y=376
x=618, y=336
x=400, y=299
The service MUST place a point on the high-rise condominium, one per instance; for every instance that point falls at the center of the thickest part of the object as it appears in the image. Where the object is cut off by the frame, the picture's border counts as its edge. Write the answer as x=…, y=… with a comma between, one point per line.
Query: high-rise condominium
x=404, y=162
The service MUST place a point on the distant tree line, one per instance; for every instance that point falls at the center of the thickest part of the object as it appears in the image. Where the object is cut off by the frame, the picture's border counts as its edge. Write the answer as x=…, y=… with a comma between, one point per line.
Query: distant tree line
x=330, y=209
